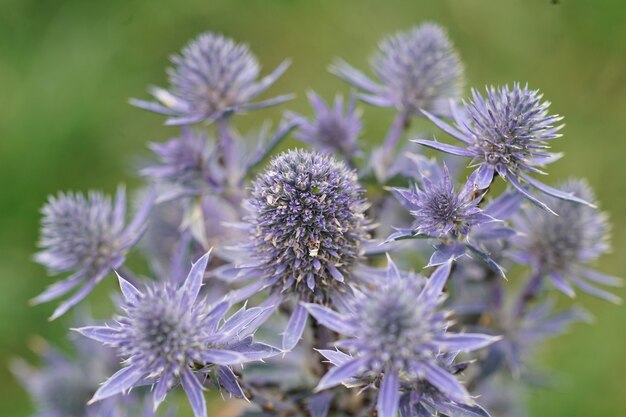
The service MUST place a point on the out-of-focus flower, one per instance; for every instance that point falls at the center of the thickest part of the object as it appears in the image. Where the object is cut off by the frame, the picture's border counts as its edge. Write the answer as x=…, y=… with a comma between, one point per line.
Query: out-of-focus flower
x=506, y=133
x=168, y=336
x=307, y=228
x=87, y=235
x=523, y=334
x=503, y=396
x=330, y=130
x=560, y=246
x=395, y=334
x=188, y=161
x=62, y=386
x=418, y=70
x=212, y=77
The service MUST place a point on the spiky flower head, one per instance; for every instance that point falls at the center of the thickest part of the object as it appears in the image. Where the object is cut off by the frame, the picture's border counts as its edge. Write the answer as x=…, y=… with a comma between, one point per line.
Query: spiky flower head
x=187, y=161
x=560, y=246
x=394, y=334
x=211, y=78
x=167, y=333
x=439, y=210
x=86, y=235
x=330, y=130
x=308, y=222
x=507, y=132
x=418, y=69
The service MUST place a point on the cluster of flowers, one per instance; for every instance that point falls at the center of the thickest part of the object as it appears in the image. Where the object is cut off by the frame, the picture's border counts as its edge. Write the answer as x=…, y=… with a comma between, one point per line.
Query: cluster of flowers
x=289, y=274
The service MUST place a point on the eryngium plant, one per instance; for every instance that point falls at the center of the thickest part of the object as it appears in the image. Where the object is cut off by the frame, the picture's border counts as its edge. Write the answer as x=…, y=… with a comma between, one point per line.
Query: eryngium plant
x=298, y=243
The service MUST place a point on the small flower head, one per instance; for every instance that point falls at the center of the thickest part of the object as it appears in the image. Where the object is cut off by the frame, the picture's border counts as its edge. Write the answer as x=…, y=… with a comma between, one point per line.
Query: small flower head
x=439, y=210
x=560, y=246
x=167, y=332
x=418, y=69
x=307, y=222
x=507, y=133
x=86, y=235
x=187, y=161
x=395, y=334
x=212, y=77
x=330, y=130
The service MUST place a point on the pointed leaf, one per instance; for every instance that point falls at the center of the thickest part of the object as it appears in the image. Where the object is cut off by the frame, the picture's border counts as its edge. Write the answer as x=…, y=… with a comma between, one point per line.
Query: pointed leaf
x=191, y=287
x=329, y=318
x=443, y=147
x=193, y=389
x=342, y=373
x=121, y=381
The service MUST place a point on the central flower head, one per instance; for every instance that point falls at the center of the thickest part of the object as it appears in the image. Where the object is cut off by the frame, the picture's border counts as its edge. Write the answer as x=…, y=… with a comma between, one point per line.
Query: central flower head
x=394, y=328
x=308, y=221
x=163, y=327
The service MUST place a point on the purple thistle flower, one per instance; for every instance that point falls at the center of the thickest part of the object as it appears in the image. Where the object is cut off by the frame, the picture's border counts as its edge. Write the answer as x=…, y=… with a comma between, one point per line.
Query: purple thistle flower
x=418, y=69
x=187, y=161
x=395, y=334
x=442, y=213
x=559, y=247
x=330, y=130
x=506, y=133
x=87, y=235
x=168, y=336
x=439, y=210
x=307, y=227
x=213, y=77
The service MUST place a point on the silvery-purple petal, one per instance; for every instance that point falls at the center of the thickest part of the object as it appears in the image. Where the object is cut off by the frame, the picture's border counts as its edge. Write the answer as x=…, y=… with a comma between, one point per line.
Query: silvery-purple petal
x=191, y=287
x=121, y=381
x=555, y=192
x=79, y=295
x=452, y=342
x=102, y=334
x=341, y=373
x=193, y=389
x=130, y=293
x=335, y=357
x=229, y=381
x=444, y=147
x=223, y=357
x=389, y=395
x=60, y=288
x=295, y=327
x=447, y=128
x=161, y=388
x=329, y=318
x=436, y=282
x=444, y=382
x=562, y=285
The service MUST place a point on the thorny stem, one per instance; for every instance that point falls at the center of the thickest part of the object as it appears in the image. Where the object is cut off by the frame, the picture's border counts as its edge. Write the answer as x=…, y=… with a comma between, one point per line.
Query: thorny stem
x=226, y=143
x=399, y=125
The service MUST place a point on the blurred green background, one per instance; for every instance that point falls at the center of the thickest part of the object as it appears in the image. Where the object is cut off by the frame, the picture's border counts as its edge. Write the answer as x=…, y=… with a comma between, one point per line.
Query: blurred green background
x=68, y=67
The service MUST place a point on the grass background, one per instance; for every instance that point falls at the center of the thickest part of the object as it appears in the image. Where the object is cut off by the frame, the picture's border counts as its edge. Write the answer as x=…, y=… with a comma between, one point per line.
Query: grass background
x=68, y=67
